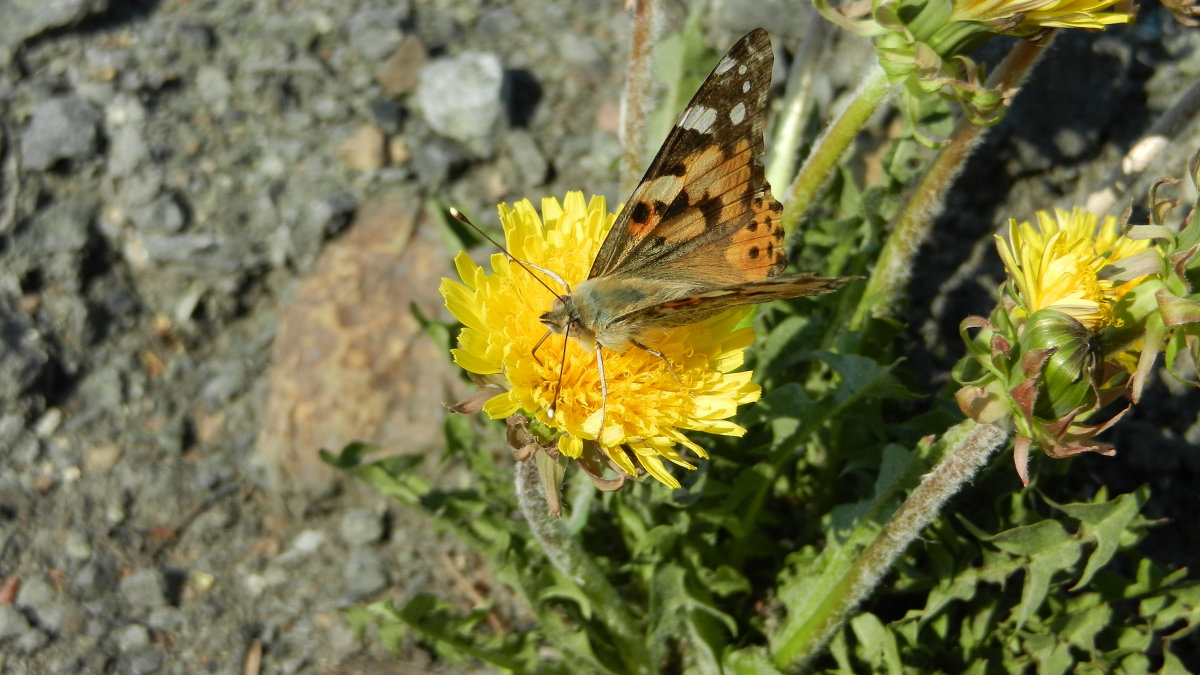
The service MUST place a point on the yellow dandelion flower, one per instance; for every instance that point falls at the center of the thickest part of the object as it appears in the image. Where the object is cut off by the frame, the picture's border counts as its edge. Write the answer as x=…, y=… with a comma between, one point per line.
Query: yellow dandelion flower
x=1025, y=16
x=648, y=408
x=1056, y=265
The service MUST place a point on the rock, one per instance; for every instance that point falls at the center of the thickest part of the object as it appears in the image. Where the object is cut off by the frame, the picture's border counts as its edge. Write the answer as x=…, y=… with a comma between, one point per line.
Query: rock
x=23, y=355
x=143, y=588
x=95, y=579
x=526, y=158
x=133, y=638
x=399, y=74
x=12, y=622
x=144, y=662
x=63, y=127
x=35, y=592
x=364, y=573
x=24, y=19
x=374, y=33
x=163, y=215
x=360, y=526
x=362, y=150
x=305, y=544
x=463, y=98
x=398, y=152
x=349, y=361
x=215, y=87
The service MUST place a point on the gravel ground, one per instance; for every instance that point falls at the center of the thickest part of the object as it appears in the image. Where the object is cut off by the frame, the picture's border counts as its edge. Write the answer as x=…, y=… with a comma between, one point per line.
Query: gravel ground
x=211, y=227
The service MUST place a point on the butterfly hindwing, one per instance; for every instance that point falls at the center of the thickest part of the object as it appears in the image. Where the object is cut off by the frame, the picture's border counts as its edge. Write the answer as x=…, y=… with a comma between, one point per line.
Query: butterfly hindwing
x=692, y=308
x=703, y=213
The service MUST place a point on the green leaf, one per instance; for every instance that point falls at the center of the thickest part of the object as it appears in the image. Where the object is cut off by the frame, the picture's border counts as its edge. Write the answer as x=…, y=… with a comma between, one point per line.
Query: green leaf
x=1105, y=523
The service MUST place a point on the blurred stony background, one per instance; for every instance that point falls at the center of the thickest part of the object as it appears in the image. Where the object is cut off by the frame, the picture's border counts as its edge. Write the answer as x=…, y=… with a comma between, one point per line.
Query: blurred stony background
x=213, y=223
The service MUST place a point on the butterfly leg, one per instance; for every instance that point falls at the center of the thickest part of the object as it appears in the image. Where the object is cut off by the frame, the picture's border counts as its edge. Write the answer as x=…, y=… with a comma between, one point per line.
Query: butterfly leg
x=660, y=355
x=603, y=393
x=533, y=352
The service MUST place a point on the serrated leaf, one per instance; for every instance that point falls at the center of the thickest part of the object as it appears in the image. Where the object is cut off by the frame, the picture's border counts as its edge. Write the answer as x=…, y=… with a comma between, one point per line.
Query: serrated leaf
x=1104, y=523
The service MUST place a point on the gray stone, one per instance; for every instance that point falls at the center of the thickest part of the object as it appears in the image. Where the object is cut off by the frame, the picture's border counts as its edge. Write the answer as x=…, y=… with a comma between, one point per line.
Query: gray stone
x=375, y=33
x=62, y=227
x=526, y=158
x=126, y=149
x=23, y=353
x=34, y=593
x=214, y=86
x=164, y=215
x=24, y=19
x=144, y=662
x=463, y=98
x=133, y=637
x=12, y=622
x=63, y=127
x=364, y=573
x=31, y=641
x=143, y=588
x=360, y=526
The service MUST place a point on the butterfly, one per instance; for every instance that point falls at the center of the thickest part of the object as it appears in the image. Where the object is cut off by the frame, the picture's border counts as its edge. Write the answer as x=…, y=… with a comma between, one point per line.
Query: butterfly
x=701, y=233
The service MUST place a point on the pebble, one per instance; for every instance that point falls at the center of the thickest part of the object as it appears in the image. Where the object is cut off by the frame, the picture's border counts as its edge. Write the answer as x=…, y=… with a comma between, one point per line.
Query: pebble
x=24, y=19
x=362, y=150
x=133, y=637
x=77, y=546
x=374, y=33
x=12, y=622
x=143, y=588
x=398, y=75
x=94, y=579
x=101, y=458
x=164, y=214
x=531, y=165
x=462, y=98
x=364, y=573
x=63, y=127
x=360, y=526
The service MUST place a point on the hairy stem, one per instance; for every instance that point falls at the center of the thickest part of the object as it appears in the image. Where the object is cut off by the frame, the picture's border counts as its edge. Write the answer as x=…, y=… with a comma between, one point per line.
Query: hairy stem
x=831, y=145
x=569, y=558
x=968, y=447
x=635, y=106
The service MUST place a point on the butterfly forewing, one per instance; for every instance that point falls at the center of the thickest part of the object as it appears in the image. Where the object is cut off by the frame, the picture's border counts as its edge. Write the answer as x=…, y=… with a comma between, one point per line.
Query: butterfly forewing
x=703, y=214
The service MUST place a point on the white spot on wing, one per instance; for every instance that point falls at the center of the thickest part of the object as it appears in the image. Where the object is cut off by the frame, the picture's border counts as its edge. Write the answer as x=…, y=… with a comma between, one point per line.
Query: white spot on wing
x=742, y=69
x=738, y=113
x=746, y=87
x=699, y=118
x=723, y=66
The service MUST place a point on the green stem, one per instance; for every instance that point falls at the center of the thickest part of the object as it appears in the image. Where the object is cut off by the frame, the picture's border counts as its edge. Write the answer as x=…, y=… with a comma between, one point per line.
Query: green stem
x=890, y=277
x=830, y=147
x=969, y=444
x=570, y=559
x=790, y=123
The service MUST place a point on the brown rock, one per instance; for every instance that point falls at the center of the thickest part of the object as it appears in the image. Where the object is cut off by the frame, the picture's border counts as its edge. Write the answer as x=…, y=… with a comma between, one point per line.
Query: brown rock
x=398, y=74
x=362, y=150
x=350, y=363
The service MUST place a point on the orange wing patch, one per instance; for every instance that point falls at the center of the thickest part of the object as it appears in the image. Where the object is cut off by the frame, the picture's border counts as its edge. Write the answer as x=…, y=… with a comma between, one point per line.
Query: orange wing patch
x=757, y=248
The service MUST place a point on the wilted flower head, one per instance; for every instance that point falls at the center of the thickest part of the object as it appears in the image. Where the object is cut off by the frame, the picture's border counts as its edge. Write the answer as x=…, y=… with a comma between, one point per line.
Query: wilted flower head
x=1057, y=348
x=648, y=408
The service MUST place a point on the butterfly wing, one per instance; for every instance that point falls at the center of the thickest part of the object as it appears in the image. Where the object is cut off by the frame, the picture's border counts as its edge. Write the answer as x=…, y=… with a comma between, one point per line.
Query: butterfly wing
x=703, y=214
x=696, y=307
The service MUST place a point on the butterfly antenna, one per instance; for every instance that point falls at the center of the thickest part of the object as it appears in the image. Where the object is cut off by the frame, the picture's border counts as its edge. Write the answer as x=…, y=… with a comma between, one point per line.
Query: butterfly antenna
x=460, y=217
x=562, y=364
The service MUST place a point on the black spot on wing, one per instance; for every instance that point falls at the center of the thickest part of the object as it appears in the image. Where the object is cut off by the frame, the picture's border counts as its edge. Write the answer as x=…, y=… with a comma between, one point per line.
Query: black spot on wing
x=677, y=207
x=640, y=213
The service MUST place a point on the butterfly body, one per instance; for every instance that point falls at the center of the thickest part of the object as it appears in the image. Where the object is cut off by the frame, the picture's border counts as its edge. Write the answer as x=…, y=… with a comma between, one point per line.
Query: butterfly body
x=701, y=233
